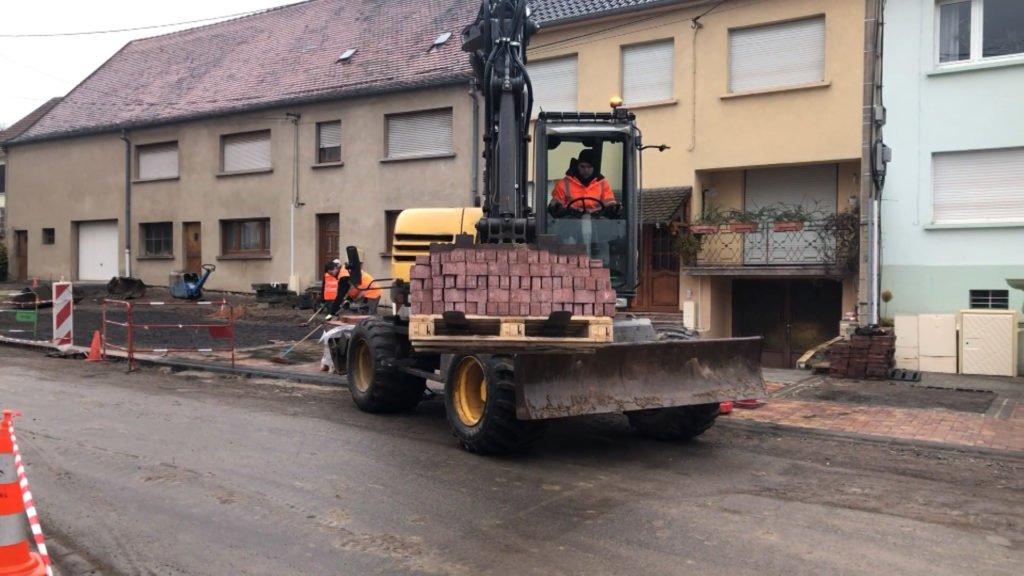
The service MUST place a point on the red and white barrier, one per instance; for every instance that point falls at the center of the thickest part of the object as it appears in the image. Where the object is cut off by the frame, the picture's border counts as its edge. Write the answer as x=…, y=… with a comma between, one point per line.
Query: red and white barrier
x=63, y=309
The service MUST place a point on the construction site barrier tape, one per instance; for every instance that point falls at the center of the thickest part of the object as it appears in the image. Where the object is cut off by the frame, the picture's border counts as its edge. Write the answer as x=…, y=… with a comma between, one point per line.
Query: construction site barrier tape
x=30, y=507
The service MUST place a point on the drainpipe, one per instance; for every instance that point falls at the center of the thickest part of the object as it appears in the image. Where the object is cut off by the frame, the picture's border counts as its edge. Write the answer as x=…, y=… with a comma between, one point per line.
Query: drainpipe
x=293, y=280
x=475, y=162
x=127, y=203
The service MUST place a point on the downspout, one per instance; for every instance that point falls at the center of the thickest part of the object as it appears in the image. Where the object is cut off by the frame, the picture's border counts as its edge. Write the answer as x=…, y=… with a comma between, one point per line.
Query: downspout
x=474, y=168
x=127, y=203
x=293, y=280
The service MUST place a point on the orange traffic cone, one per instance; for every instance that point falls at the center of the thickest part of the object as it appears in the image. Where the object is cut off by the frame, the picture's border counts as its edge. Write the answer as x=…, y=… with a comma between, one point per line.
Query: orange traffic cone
x=15, y=557
x=94, y=353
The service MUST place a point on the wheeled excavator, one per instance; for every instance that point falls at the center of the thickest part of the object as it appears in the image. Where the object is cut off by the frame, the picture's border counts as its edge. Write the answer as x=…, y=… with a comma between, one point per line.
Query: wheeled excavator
x=667, y=383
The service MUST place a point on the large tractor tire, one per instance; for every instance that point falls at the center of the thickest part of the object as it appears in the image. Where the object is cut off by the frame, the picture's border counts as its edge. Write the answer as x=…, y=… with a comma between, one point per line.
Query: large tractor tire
x=480, y=401
x=671, y=424
x=376, y=385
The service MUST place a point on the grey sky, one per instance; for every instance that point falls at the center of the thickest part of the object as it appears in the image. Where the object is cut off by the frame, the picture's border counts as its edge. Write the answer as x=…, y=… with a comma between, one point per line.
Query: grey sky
x=33, y=70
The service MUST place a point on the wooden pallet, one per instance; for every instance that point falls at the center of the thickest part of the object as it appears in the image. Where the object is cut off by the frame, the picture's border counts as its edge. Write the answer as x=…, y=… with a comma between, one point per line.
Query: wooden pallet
x=433, y=333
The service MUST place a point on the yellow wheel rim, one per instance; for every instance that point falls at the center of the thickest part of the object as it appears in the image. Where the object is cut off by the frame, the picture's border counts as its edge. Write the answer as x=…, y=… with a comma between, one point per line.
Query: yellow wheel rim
x=363, y=375
x=469, y=393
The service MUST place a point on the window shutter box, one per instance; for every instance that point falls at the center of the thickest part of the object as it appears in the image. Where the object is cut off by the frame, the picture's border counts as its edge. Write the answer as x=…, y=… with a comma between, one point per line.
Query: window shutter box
x=777, y=55
x=244, y=152
x=554, y=84
x=420, y=134
x=647, y=73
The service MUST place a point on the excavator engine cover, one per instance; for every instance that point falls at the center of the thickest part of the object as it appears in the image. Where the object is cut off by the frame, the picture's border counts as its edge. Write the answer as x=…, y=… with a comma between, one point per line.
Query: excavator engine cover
x=638, y=376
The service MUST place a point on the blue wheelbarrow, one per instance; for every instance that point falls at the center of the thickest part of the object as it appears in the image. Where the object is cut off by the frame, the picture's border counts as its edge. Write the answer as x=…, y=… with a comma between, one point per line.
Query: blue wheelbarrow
x=191, y=285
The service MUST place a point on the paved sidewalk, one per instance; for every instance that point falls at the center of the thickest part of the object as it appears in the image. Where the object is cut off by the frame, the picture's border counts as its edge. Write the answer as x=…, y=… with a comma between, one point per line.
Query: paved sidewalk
x=1002, y=428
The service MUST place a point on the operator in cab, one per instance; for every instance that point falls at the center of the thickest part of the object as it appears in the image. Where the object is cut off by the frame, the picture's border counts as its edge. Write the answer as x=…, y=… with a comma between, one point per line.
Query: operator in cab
x=583, y=191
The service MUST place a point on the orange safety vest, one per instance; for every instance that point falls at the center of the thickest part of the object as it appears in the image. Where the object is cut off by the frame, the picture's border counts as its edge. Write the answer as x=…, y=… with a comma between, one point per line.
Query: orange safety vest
x=569, y=188
x=361, y=289
x=330, y=287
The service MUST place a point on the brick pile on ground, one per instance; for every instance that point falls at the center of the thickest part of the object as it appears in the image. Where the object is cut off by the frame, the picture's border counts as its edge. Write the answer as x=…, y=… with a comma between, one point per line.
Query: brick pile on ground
x=510, y=280
x=863, y=356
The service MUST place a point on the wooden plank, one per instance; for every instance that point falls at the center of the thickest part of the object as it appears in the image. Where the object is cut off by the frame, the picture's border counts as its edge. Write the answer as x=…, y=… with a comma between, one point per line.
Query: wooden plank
x=426, y=327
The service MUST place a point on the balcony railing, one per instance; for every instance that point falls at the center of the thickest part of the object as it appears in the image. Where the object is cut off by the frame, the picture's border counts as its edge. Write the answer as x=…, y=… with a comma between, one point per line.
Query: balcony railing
x=832, y=242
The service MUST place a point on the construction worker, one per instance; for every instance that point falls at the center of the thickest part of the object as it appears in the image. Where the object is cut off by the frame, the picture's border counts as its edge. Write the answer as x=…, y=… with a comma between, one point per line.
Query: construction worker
x=579, y=183
x=363, y=296
x=332, y=302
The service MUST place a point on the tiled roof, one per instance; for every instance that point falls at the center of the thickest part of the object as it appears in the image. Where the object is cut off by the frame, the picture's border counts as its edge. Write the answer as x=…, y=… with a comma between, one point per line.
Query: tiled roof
x=660, y=205
x=25, y=123
x=282, y=56
x=556, y=11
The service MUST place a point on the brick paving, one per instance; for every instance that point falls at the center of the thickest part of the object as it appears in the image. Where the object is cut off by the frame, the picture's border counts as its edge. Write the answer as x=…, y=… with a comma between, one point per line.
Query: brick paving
x=933, y=425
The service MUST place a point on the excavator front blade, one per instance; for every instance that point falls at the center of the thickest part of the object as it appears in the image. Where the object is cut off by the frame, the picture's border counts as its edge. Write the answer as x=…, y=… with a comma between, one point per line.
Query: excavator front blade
x=638, y=376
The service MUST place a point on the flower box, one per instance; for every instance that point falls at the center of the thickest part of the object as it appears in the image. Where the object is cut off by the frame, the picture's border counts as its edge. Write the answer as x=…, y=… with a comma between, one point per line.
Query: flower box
x=704, y=228
x=742, y=227
x=787, y=226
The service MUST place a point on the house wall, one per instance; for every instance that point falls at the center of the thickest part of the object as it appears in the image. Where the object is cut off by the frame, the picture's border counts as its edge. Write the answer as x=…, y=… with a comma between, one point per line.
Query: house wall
x=85, y=177
x=931, y=268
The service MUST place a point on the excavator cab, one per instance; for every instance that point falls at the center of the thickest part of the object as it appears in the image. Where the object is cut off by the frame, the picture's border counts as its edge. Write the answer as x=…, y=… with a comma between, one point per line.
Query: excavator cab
x=607, y=229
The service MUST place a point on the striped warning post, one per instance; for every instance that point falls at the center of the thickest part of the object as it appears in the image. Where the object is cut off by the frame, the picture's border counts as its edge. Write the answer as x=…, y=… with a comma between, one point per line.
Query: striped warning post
x=15, y=557
x=63, y=308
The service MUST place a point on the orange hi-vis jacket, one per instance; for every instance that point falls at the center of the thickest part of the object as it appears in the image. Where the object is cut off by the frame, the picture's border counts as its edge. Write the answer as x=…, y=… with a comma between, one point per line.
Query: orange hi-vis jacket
x=330, y=287
x=598, y=188
x=361, y=289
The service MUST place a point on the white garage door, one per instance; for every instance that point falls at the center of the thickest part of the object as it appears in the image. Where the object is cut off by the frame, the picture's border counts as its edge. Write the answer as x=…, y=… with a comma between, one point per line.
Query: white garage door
x=97, y=250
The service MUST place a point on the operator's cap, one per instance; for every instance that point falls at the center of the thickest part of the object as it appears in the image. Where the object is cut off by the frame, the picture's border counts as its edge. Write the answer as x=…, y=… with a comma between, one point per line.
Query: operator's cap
x=337, y=261
x=588, y=156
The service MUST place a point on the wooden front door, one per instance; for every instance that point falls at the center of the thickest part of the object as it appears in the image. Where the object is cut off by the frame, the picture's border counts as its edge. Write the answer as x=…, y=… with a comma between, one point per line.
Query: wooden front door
x=658, y=290
x=21, y=253
x=793, y=316
x=328, y=239
x=192, y=233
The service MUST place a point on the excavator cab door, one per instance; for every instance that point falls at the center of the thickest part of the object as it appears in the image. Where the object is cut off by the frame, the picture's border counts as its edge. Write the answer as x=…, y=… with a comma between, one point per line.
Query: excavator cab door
x=609, y=142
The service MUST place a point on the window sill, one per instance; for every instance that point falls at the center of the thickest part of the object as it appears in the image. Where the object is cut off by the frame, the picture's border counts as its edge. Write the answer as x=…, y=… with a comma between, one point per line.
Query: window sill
x=424, y=157
x=811, y=86
x=244, y=172
x=244, y=257
x=147, y=180
x=156, y=257
x=972, y=225
x=944, y=69
x=655, y=104
x=338, y=164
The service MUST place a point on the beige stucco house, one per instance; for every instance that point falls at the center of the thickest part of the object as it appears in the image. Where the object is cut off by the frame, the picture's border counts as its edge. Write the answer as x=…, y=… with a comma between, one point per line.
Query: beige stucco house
x=265, y=143
x=761, y=105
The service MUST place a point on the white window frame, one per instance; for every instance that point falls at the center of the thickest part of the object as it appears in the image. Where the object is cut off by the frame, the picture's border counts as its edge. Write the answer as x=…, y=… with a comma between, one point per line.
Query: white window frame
x=977, y=36
x=538, y=77
x=442, y=148
x=820, y=78
x=1002, y=182
x=661, y=86
x=265, y=151
x=145, y=229
x=149, y=170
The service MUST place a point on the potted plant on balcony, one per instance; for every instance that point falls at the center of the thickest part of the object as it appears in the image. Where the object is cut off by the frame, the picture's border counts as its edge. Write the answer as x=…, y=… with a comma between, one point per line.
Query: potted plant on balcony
x=789, y=218
x=688, y=246
x=743, y=221
x=709, y=222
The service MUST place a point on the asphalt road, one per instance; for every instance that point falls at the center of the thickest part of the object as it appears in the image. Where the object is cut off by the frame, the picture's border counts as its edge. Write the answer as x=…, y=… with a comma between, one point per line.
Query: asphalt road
x=159, y=473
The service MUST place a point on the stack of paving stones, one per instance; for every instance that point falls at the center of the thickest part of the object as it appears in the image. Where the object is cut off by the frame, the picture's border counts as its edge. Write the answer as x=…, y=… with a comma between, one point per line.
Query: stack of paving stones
x=863, y=357
x=510, y=280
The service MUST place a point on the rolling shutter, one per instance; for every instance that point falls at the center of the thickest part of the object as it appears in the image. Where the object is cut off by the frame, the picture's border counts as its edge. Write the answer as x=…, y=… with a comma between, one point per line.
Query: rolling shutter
x=978, y=186
x=247, y=151
x=647, y=73
x=420, y=134
x=785, y=54
x=554, y=84
x=330, y=134
x=158, y=161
